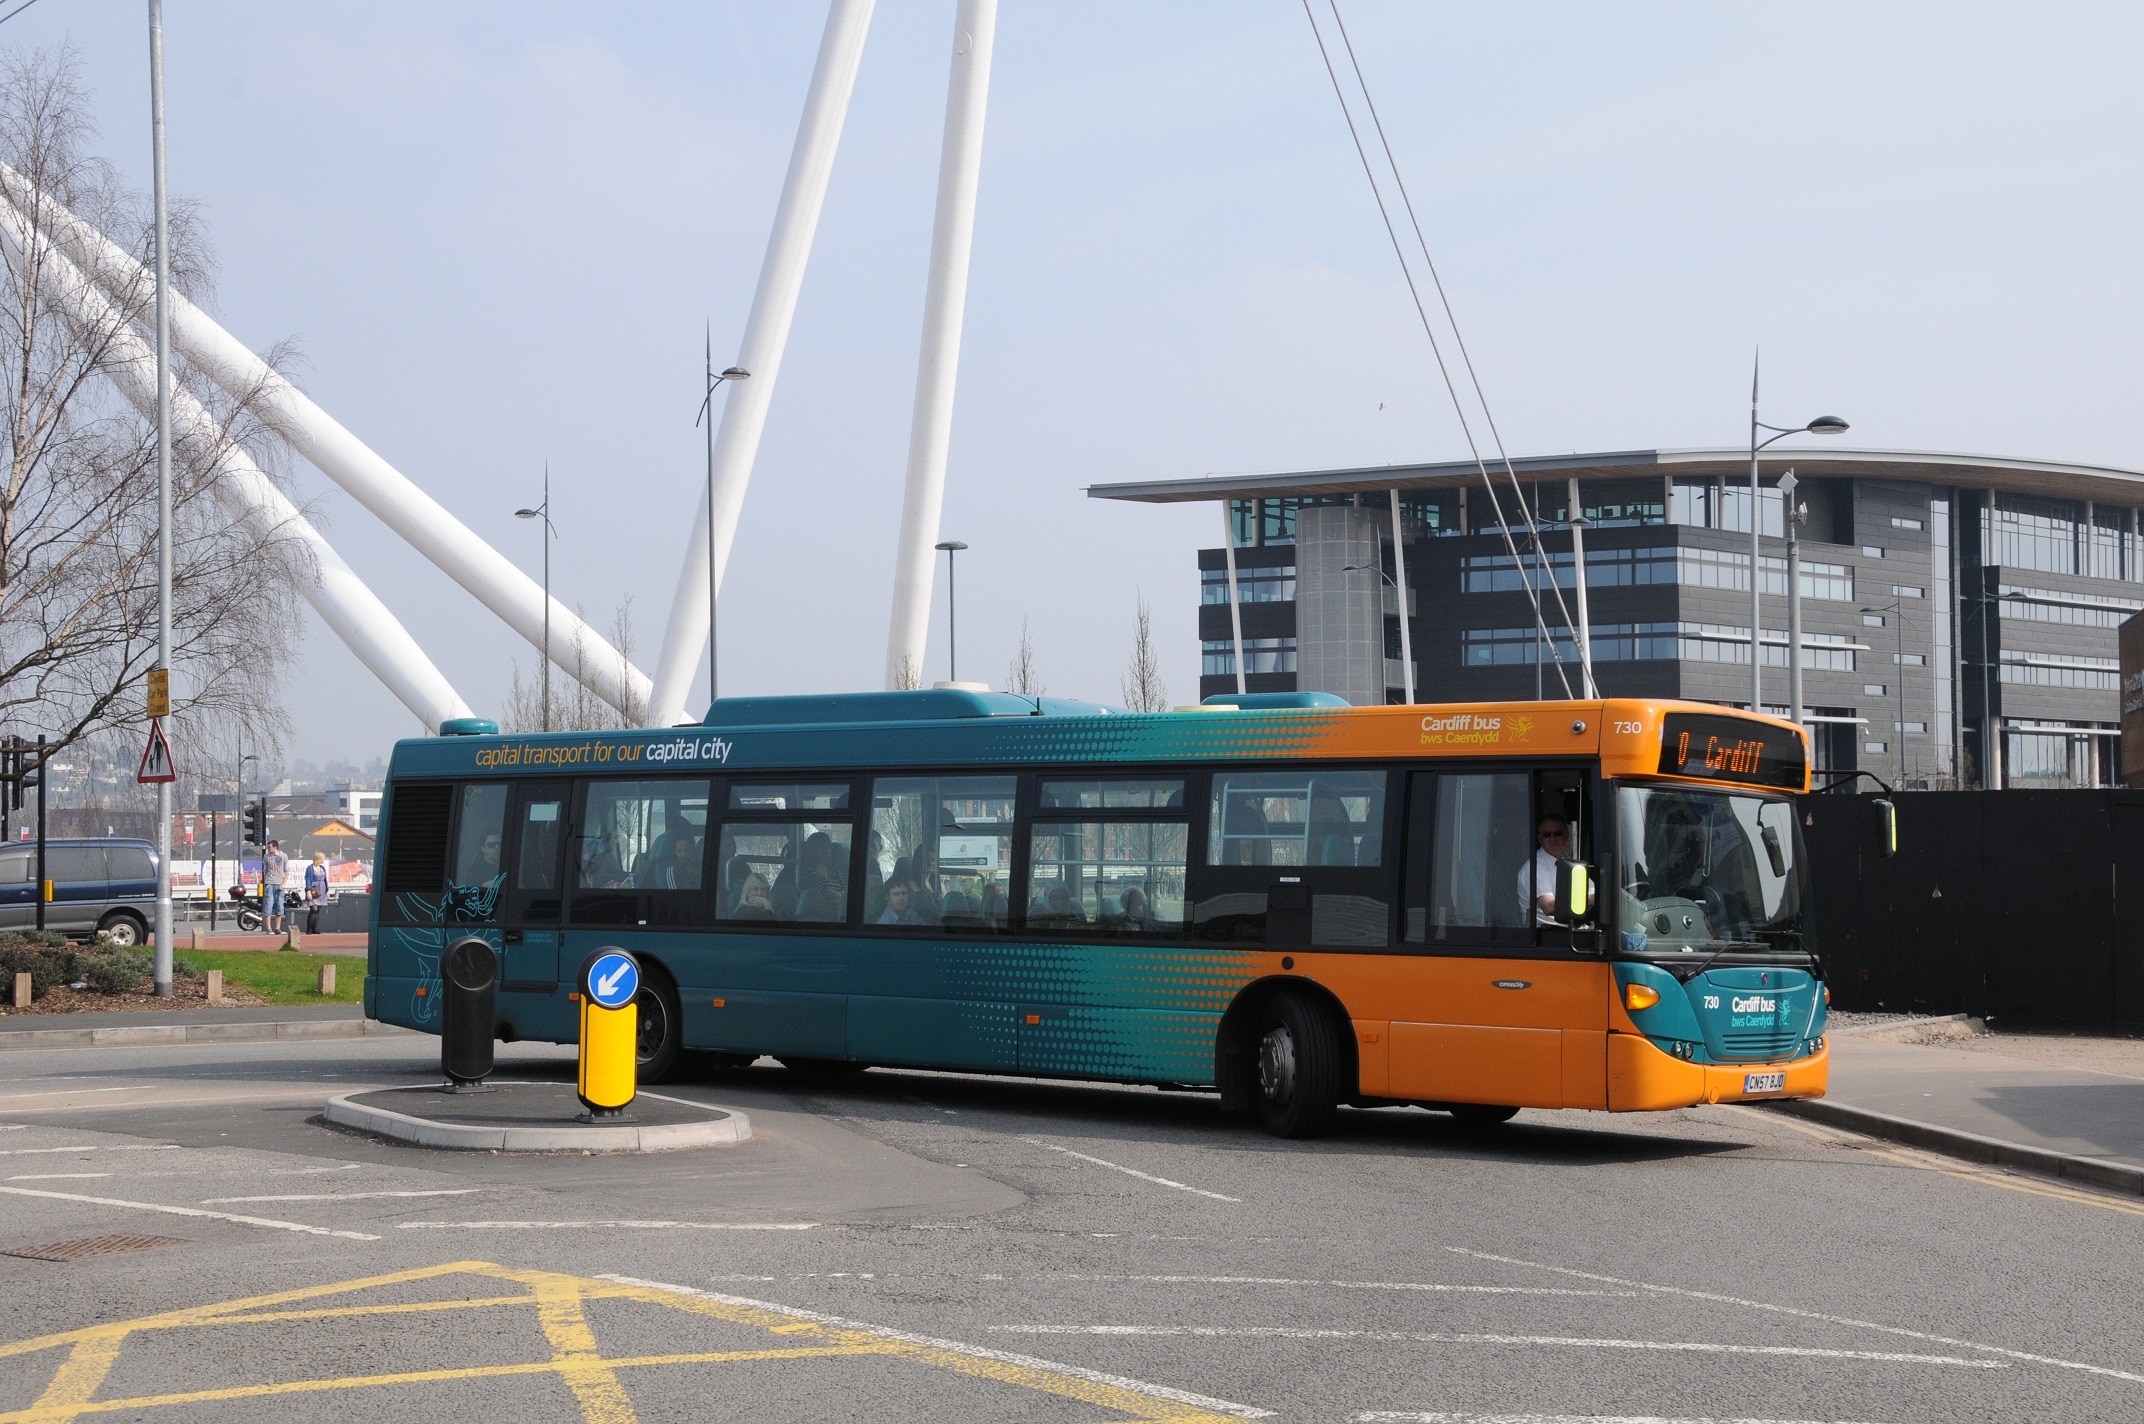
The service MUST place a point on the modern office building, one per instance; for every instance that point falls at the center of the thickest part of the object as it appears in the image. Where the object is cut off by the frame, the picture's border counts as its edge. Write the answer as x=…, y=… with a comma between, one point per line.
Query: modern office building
x=1958, y=611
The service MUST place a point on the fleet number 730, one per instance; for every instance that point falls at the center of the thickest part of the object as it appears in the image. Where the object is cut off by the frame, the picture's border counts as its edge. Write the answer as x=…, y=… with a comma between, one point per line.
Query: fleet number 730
x=1629, y=729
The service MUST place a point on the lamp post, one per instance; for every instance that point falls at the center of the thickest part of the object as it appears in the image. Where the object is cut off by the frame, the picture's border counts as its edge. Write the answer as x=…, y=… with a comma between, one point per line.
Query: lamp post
x=1406, y=643
x=550, y=532
x=1791, y=517
x=734, y=373
x=1822, y=425
x=952, y=629
x=1897, y=610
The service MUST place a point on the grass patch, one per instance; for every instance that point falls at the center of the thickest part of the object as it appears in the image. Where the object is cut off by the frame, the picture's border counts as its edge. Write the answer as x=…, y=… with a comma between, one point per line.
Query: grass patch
x=284, y=978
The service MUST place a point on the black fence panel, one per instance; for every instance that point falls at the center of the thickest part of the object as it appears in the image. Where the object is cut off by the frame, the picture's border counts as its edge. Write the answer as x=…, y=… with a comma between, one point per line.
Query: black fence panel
x=2002, y=904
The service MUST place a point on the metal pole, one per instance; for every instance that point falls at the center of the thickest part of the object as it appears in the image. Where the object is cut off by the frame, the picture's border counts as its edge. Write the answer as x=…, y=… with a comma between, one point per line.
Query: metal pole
x=713, y=650
x=952, y=627
x=1756, y=635
x=1987, y=673
x=1898, y=611
x=1399, y=585
x=1788, y=510
x=1235, y=606
x=547, y=595
x=945, y=302
x=1578, y=573
x=163, y=480
x=40, y=830
x=766, y=334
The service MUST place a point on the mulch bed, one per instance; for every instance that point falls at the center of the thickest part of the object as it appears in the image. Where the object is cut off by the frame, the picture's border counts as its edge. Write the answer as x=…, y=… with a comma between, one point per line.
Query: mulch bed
x=186, y=993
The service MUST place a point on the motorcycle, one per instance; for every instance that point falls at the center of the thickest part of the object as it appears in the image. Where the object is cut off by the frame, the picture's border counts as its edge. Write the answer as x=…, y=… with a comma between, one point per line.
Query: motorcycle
x=252, y=911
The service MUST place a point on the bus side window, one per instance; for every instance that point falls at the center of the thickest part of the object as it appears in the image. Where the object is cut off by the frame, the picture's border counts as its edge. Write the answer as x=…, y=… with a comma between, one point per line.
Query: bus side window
x=415, y=856
x=1296, y=857
x=475, y=874
x=949, y=840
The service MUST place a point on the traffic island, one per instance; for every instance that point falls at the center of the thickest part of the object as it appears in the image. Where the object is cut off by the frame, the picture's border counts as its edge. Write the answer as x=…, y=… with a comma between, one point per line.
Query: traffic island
x=534, y=1117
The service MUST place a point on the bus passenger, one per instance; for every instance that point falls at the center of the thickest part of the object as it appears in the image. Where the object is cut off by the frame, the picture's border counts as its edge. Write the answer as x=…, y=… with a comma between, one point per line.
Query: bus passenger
x=734, y=874
x=681, y=868
x=899, y=907
x=1135, y=909
x=929, y=889
x=752, y=903
x=1331, y=830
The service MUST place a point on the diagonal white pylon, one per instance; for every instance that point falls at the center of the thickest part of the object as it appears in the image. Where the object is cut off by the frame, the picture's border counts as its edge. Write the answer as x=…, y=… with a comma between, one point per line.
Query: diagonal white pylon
x=341, y=597
x=419, y=519
x=766, y=335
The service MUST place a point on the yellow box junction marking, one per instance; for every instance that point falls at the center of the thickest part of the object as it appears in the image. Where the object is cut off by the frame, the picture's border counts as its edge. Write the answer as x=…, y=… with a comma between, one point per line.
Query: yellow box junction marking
x=576, y=1359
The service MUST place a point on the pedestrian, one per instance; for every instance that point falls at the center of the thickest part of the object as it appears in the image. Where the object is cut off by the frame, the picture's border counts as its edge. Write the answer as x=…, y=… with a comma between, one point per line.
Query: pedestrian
x=275, y=869
x=316, y=890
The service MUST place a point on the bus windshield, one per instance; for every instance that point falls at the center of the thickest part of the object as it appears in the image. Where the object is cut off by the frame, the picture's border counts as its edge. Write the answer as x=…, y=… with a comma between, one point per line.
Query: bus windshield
x=1708, y=872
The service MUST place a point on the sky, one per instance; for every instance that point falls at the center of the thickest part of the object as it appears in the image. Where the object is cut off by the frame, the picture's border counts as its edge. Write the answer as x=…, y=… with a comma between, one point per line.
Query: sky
x=497, y=235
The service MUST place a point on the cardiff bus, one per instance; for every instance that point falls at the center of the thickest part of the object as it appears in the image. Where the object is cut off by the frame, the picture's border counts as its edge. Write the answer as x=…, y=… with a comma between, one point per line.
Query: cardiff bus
x=1471, y=908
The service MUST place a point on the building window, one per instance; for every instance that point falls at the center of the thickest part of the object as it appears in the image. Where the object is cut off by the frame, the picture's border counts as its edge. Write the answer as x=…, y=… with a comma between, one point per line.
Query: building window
x=2041, y=605
x=1870, y=551
x=1874, y=689
x=2106, y=547
x=2043, y=670
x=1252, y=585
x=1872, y=620
x=1695, y=502
x=1877, y=747
x=1641, y=642
x=2029, y=533
x=1907, y=590
x=1915, y=727
x=1899, y=522
x=1259, y=655
x=1910, y=659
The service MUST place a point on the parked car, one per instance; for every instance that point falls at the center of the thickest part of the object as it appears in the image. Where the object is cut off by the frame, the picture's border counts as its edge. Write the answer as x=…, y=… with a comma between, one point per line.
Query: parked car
x=107, y=885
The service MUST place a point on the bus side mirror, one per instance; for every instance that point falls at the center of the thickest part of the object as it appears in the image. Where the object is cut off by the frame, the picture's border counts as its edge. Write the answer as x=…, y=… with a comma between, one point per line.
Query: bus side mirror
x=1574, y=892
x=1886, y=828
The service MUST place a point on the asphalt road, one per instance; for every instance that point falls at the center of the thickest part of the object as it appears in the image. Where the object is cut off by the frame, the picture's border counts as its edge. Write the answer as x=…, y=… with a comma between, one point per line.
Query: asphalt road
x=914, y=1246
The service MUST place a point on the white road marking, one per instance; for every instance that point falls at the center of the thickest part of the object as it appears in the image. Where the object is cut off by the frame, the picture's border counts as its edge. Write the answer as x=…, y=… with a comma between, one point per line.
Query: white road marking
x=1440, y=1337
x=1341, y=1285
x=1414, y=1416
x=311, y=1171
x=340, y=1196
x=77, y=1092
x=298, y=1226
x=1799, y=1313
x=582, y=1225
x=1155, y=1391
x=55, y=1176
x=1131, y=1171
x=144, y=1147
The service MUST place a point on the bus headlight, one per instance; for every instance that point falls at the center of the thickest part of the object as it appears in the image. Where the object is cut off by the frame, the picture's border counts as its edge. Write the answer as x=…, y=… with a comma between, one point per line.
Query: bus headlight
x=1639, y=996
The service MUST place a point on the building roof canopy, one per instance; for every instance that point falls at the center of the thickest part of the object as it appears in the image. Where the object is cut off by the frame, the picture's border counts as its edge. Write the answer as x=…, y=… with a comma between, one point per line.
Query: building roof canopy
x=2051, y=478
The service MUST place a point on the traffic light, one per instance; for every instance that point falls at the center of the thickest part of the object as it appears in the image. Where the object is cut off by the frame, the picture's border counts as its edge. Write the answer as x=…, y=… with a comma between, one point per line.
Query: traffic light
x=257, y=823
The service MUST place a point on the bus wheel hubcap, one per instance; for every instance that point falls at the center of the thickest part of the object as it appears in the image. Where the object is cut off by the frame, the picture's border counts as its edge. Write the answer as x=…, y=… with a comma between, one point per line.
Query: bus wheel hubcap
x=1276, y=1065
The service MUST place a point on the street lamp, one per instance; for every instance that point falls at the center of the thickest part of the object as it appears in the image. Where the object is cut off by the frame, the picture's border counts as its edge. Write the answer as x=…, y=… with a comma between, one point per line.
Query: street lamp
x=734, y=373
x=1791, y=518
x=1822, y=425
x=1897, y=609
x=1406, y=649
x=952, y=639
x=550, y=532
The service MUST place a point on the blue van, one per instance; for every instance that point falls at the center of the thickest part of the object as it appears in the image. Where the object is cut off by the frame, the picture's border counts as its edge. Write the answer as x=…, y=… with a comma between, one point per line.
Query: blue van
x=107, y=885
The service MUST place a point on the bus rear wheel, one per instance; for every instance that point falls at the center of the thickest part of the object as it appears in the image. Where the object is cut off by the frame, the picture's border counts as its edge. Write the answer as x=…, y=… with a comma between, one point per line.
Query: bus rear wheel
x=1299, y=1068
x=662, y=1028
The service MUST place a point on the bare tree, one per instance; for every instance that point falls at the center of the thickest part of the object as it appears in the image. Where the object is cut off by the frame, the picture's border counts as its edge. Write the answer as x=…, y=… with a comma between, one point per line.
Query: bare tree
x=1144, y=691
x=1020, y=676
x=578, y=710
x=78, y=497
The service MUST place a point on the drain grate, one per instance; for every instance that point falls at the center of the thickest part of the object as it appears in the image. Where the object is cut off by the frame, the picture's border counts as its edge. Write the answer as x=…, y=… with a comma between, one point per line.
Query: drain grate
x=90, y=1246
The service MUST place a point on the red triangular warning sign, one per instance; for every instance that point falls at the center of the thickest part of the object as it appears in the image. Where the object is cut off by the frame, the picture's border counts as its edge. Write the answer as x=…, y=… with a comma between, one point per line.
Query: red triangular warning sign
x=156, y=763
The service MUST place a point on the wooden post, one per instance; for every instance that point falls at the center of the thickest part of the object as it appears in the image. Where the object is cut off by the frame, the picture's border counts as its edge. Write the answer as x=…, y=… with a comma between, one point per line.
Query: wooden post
x=200, y=937
x=22, y=991
x=215, y=986
x=327, y=979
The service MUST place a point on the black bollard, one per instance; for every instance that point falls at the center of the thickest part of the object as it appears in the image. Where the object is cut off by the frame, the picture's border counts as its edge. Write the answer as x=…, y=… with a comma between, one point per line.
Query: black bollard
x=469, y=974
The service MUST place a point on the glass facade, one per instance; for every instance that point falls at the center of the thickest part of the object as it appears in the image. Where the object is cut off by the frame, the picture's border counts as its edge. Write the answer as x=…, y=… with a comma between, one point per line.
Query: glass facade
x=1663, y=564
x=1275, y=585
x=1639, y=642
x=1259, y=655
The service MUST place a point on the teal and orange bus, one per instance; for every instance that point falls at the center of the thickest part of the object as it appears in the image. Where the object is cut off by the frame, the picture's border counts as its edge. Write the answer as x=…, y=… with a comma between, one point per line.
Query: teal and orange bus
x=1297, y=902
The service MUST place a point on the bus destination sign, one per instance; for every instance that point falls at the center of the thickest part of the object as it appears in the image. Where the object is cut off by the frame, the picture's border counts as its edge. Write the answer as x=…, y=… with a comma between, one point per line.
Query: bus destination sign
x=1731, y=749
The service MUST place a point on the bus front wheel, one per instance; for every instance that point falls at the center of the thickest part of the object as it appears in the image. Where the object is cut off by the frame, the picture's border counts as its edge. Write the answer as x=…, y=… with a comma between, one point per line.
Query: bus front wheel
x=662, y=1028
x=1299, y=1068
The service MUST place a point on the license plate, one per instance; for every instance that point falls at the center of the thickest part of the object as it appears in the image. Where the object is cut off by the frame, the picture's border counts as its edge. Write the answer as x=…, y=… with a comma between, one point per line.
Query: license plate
x=1764, y=1082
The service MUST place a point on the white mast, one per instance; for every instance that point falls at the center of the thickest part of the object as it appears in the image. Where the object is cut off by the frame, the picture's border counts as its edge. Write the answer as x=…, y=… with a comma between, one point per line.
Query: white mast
x=960, y=162
x=766, y=335
x=350, y=608
x=418, y=518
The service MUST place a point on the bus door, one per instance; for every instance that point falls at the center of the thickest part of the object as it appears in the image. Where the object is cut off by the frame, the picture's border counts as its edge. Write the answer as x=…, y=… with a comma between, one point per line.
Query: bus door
x=1509, y=1007
x=531, y=905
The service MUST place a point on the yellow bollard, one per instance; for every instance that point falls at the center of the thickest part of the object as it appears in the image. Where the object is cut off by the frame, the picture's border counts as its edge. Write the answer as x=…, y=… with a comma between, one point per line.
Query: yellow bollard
x=610, y=1034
